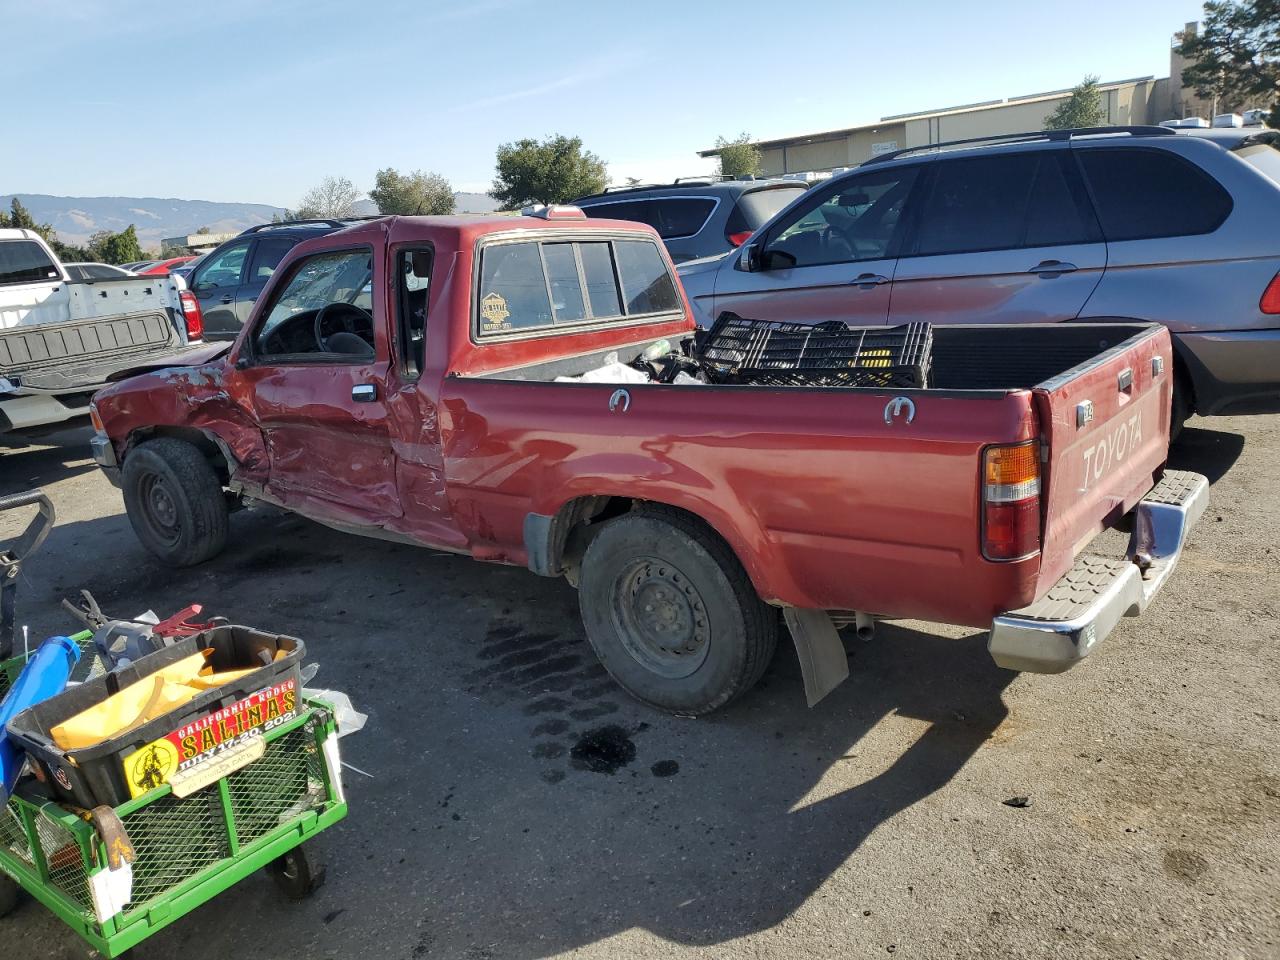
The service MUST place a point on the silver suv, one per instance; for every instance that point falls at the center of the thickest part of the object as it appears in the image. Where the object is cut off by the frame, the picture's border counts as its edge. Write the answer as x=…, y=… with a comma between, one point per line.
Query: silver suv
x=1121, y=222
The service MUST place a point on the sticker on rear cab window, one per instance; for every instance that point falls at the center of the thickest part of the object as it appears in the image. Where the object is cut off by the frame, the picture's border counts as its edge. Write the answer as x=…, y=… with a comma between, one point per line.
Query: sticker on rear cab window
x=494, y=312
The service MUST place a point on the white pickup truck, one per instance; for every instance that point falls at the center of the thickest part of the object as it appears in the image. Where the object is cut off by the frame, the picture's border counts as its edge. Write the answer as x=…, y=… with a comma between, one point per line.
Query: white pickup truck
x=62, y=339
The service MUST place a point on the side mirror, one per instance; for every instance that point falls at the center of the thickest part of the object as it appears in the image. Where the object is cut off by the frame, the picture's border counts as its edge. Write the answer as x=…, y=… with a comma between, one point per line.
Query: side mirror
x=749, y=257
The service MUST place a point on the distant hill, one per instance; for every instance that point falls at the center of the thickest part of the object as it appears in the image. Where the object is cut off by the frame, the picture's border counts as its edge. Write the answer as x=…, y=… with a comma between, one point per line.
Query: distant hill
x=76, y=218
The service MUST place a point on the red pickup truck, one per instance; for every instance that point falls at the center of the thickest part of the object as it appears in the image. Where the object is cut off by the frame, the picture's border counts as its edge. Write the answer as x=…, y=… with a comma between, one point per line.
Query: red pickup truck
x=419, y=380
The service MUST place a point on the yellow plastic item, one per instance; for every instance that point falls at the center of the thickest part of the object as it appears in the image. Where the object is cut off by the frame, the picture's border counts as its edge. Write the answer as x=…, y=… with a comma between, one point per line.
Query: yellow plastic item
x=143, y=701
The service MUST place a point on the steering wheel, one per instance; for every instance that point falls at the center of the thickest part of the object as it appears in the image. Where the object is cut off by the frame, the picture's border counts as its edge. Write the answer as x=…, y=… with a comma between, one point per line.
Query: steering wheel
x=342, y=317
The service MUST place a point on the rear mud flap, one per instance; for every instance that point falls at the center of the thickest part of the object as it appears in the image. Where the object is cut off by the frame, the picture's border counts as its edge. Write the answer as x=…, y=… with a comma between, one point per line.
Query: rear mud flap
x=822, y=658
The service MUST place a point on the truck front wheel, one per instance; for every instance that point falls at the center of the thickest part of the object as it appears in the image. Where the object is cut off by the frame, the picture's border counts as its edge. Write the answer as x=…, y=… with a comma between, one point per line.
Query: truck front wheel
x=174, y=501
x=671, y=613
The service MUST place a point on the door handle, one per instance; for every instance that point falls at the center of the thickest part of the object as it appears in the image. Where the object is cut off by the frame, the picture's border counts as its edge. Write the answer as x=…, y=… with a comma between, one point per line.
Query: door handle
x=1051, y=268
x=868, y=280
x=227, y=298
x=364, y=393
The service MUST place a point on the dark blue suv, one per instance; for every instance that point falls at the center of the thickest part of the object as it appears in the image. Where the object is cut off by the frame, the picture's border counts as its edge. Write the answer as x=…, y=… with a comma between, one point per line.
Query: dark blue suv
x=228, y=281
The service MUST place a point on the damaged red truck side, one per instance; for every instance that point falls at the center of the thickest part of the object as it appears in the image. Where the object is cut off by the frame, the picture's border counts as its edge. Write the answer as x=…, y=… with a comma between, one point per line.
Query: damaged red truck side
x=416, y=379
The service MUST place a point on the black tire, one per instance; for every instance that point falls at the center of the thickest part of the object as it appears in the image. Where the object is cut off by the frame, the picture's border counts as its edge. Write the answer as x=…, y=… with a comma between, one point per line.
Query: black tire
x=9, y=894
x=671, y=613
x=175, y=501
x=296, y=874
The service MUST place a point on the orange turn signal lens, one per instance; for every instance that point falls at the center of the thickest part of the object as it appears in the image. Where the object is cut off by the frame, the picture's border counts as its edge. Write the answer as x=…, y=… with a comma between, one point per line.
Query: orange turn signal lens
x=96, y=419
x=1013, y=465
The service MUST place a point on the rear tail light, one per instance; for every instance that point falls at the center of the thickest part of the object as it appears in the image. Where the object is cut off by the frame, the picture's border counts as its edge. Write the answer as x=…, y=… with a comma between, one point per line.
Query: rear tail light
x=1270, y=302
x=738, y=239
x=1011, y=501
x=191, y=313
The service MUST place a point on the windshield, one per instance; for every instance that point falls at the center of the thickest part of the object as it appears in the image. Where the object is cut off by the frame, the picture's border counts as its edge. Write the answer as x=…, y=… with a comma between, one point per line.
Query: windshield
x=1264, y=157
x=24, y=261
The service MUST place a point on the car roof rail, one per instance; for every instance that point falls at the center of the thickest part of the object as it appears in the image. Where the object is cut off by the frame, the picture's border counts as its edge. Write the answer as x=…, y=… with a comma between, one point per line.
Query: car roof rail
x=1026, y=137
x=308, y=221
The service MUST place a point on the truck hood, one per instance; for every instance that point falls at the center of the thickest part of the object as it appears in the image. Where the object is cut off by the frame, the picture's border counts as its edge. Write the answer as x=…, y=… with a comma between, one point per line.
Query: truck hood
x=188, y=357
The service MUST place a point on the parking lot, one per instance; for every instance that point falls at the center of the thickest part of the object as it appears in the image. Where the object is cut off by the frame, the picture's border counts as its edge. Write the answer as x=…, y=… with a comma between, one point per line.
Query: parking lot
x=518, y=804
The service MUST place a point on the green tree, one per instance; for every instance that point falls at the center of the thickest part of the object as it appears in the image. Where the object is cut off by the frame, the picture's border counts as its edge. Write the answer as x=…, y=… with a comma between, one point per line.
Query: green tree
x=555, y=170
x=117, y=248
x=738, y=158
x=415, y=194
x=332, y=197
x=1082, y=109
x=1235, y=58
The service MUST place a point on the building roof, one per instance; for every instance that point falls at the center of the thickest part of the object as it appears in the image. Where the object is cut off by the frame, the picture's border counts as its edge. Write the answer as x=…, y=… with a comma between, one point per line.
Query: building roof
x=926, y=114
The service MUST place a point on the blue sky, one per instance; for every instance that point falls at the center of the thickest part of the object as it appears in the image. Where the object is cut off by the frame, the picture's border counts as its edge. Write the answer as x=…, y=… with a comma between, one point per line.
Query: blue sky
x=257, y=100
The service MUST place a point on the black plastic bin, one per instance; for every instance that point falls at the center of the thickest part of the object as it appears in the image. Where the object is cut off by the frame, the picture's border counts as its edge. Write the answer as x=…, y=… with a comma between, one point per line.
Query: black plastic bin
x=96, y=775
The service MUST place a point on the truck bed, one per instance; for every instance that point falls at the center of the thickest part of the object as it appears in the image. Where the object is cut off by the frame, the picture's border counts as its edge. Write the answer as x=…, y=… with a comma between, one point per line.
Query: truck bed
x=845, y=496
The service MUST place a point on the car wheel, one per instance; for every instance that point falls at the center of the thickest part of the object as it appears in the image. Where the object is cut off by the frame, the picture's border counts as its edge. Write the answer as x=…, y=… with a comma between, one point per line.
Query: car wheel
x=671, y=613
x=174, y=501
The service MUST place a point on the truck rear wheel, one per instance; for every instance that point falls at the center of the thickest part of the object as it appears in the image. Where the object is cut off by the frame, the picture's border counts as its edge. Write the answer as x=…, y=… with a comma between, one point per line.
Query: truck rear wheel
x=174, y=501
x=671, y=613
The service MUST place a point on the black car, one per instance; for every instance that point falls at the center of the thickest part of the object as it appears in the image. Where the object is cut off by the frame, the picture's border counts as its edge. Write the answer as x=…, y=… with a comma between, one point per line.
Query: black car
x=230, y=278
x=696, y=217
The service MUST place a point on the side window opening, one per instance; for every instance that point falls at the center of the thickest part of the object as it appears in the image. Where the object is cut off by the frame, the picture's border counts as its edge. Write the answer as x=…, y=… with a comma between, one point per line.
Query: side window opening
x=323, y=310
x=530, y=285
x=413, y=268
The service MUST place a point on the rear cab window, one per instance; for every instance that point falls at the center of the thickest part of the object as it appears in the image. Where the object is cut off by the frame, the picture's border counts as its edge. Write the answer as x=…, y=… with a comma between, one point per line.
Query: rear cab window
x=531, y=285
x=24, y=261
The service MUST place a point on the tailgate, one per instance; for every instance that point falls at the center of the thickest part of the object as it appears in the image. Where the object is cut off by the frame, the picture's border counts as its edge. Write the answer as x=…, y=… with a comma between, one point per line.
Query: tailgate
x=82, y=353
x=1106, y=426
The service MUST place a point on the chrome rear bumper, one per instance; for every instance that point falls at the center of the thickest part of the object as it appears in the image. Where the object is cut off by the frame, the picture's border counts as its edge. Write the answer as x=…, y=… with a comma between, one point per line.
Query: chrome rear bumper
x=1062, y=627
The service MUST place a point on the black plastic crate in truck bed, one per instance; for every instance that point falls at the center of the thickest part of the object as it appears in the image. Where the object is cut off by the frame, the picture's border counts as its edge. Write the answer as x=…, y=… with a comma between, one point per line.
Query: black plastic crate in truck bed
x=829, y=354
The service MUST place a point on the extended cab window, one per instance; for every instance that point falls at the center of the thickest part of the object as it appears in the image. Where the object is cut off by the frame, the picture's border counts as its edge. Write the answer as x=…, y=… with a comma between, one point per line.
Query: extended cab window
x=413, y=268
x=24, y=261
x=530, y=285
x=324, y=308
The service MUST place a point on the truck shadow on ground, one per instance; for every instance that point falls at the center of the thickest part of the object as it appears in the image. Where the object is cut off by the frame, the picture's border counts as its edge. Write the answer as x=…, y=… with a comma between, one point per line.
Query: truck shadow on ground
x=489, y=830
x=32, y=462
x=1211, y=452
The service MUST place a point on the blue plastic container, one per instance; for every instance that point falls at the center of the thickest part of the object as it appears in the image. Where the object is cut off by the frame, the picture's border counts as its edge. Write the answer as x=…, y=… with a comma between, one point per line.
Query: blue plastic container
x=44, y=676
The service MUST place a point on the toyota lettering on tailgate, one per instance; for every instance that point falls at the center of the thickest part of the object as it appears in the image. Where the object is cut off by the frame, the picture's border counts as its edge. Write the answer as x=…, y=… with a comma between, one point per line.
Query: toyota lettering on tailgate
x=1111, y=449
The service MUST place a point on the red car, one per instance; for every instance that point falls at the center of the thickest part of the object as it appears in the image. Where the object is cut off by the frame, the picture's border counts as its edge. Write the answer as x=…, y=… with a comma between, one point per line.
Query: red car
x=405, y=379
x=164, y=266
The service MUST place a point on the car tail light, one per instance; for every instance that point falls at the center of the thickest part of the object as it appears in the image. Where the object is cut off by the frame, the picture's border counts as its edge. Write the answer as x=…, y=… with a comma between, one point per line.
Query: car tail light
x=191, y=312
x=1011, y=501
x=1270, y=302
x=738, y=239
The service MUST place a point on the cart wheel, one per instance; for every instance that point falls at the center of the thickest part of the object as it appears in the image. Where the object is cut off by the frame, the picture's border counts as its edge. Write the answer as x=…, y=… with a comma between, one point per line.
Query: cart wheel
x=8, y=896
x=297, y=874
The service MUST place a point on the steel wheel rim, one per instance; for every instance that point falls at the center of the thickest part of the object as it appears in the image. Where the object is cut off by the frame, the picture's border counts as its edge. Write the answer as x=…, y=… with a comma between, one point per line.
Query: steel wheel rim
x=160, y=509
x=660, y=618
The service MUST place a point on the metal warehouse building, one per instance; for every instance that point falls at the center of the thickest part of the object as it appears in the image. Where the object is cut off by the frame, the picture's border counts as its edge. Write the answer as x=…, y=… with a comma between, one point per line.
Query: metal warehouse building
x=1140, y=100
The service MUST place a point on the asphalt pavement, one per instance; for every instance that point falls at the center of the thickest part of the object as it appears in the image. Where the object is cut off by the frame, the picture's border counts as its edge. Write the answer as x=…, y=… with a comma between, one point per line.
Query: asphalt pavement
x=519, y=805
